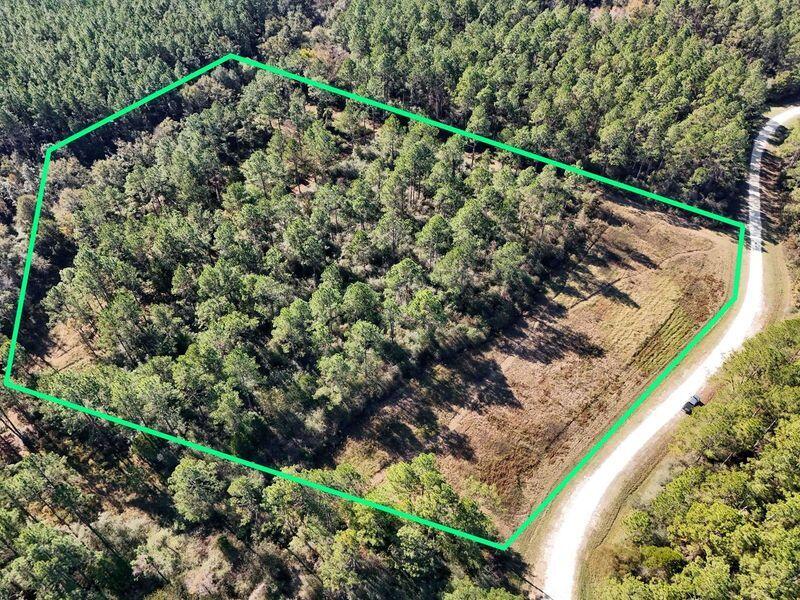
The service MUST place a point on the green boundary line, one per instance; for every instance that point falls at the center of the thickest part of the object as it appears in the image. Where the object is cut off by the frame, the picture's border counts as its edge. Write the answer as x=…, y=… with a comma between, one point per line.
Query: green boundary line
x=9, y=383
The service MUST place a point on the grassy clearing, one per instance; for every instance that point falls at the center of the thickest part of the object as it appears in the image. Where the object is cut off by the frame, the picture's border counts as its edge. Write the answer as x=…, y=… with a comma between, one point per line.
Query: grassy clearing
x=518, y=413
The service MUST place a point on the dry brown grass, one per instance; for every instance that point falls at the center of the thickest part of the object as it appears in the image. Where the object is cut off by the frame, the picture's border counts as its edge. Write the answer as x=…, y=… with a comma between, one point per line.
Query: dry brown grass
x=521, y=412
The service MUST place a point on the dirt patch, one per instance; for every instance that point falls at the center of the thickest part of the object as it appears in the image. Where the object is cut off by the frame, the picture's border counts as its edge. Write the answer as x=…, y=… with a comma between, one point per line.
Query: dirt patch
x=65, y=350
x=520, y=413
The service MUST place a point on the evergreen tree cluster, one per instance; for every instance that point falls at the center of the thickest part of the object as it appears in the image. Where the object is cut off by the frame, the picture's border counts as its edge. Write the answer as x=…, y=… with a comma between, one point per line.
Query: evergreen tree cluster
x=254, y=274
x=727, y=524
x=664, y=94
x=250, y=264
x=67, y=64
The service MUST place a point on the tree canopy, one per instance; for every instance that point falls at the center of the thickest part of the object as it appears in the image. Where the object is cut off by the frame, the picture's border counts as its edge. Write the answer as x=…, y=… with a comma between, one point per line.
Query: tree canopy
x=251, y=264
x=726, y=524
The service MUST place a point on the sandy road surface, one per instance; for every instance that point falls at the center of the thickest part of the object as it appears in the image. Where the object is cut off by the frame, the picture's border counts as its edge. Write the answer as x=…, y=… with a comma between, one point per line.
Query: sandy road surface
x=563, y=544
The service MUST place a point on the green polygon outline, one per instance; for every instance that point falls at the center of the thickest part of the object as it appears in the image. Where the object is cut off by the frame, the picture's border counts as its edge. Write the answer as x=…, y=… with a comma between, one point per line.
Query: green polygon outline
x=8, y=383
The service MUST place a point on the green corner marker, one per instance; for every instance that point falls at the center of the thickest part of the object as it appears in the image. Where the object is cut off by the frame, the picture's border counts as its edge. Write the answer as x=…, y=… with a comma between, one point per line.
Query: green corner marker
x=9, y=383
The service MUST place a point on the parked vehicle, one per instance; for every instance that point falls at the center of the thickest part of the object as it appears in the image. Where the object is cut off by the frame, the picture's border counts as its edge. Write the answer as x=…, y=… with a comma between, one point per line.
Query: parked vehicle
x=693, y=403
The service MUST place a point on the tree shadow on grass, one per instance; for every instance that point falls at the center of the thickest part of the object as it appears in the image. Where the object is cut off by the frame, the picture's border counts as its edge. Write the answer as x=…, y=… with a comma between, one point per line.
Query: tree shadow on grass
x=772, y=201
x=580, y=283
x=543, y=340
x=583, y=284
x=417, y=417
x=407, y=422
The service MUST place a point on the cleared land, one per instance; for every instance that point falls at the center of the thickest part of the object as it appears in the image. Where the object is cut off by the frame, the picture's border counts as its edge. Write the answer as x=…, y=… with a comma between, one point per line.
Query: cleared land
x=656, y=470
x=519, y=413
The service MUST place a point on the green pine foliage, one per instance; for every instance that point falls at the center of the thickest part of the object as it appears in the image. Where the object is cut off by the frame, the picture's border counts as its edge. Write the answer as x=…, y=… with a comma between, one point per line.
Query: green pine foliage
x=247, y=275
x=68, y=64
x=249, y=264
x=663, y=94
x=727, y=524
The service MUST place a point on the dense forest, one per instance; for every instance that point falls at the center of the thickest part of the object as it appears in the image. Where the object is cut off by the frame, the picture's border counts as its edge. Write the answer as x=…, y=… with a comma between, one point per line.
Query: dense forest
x=68, y=64
x=249, y=264
x=726, y=525
x=270, y=268
x=647, y=99
x=248, y=277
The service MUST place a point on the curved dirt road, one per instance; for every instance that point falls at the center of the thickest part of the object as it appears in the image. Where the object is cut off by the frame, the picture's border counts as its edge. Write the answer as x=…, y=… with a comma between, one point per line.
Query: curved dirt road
x=564, y=543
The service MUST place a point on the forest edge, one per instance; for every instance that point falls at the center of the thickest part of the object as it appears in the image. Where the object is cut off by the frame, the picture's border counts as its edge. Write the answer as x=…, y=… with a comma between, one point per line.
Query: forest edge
x=621, y=420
